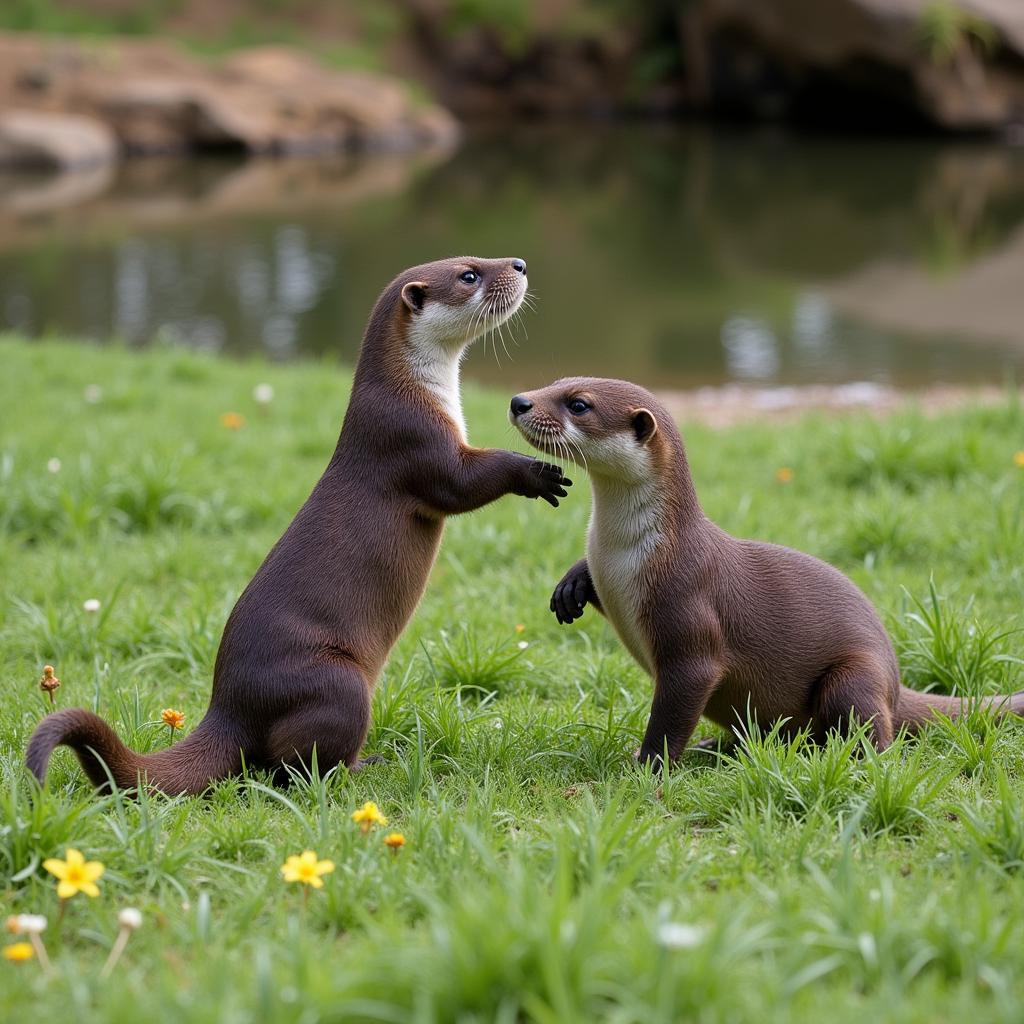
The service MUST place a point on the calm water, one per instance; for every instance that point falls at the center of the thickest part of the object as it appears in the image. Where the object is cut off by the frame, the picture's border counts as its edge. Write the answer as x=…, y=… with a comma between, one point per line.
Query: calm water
x=676, y=258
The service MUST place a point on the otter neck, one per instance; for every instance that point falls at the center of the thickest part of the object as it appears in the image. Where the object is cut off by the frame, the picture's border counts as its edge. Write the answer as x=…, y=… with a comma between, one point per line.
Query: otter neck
x=656, y=502
x=435, y=367
x=394, y=362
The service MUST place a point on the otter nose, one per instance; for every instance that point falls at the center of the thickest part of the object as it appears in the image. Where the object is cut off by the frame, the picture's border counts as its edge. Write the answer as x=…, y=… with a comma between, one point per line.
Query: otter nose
x=520, y=405
x=519, y=266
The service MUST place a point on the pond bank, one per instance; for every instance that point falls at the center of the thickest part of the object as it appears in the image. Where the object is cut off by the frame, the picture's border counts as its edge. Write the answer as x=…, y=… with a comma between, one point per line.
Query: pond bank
x=71, y=104
x=737, y=403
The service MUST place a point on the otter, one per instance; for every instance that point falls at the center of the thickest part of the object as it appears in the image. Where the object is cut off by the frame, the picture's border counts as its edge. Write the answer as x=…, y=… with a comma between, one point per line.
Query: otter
x=304, y=645
x=722, y=625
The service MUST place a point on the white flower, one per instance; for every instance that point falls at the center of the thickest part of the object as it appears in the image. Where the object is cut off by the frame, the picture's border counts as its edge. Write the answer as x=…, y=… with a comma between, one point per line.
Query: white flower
x=523, y=644
x=93, y=393
x=673, y=935
x=53, y=465
x=91, y=605
x=28, y=924
x=130, y=918
x=263, y=394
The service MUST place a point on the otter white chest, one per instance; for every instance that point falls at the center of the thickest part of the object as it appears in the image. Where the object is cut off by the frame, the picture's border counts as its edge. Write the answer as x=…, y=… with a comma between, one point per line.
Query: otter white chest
x=438, y=338
x=623, y=536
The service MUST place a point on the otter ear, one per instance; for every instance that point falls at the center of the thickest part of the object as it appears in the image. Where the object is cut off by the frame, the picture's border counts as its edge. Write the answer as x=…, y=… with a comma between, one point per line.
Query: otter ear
x=414, y=295
x=645, y=426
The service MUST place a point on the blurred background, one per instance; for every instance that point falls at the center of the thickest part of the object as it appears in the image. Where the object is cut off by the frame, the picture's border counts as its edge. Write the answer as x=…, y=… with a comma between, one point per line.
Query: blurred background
x=707, y=192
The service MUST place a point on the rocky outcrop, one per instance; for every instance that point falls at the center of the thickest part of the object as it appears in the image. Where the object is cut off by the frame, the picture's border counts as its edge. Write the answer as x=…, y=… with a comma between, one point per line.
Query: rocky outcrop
x=835, y=62
x=59, y=142
x=150, y=97
x=816, y=59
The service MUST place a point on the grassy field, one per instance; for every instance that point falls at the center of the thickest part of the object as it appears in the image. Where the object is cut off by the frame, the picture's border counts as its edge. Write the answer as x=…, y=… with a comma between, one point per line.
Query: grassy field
x=544, y=878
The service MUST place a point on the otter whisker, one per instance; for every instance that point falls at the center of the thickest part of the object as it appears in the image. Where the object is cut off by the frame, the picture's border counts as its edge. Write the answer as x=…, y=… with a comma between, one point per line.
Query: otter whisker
x=501, y=334
x=516, y=320
x=494, y=322
x=579, y=450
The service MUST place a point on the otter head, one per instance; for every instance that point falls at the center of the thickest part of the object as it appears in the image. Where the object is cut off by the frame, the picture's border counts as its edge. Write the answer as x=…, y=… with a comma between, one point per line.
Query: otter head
x=608, y=427
x=450, y=303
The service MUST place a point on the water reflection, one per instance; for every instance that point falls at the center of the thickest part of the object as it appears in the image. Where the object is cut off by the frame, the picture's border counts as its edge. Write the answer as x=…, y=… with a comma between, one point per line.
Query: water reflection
x=673, y=258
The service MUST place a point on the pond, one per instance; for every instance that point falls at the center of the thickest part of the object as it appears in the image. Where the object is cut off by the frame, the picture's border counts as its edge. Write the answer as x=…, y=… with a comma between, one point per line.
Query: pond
x=676, y=257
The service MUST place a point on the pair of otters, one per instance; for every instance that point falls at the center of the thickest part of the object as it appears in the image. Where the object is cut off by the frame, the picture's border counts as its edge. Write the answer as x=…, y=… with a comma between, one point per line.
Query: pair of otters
x=722, y=625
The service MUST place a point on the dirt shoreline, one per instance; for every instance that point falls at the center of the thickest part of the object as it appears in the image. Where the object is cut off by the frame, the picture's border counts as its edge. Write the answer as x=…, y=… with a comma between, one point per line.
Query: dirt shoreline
x=736, y=403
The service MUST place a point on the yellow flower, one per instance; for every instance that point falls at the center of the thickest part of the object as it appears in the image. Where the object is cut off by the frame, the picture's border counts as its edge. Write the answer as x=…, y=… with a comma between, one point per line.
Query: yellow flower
x=783, y=474
x=232, y=420
x=173, y=719
x=1018, y=459
x=520, y=628
x=75, y=874
x=49, y=682
x=367, y=816
x=394, y=841
x=305, y=868
x=19, y=951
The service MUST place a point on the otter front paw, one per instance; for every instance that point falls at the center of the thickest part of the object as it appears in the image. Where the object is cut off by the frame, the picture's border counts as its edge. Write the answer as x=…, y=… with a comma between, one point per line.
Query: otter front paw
x=571, y=595
x=543, y=480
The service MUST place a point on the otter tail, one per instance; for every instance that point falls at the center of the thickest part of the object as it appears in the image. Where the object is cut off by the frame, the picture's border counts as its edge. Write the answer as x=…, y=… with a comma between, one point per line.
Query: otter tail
x=205, y=755
x=917, y=709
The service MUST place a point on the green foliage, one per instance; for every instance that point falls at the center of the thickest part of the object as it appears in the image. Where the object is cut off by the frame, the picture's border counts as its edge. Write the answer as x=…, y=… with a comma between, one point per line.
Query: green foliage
x=511, y=21
x=71, y=19
x=953, y=652
x=544, y=878
x=944, y=28
x=996, y=833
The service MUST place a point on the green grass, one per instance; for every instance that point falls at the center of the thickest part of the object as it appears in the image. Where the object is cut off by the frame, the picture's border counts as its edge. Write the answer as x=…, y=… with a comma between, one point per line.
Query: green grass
x=543, y=872
x=266, y=22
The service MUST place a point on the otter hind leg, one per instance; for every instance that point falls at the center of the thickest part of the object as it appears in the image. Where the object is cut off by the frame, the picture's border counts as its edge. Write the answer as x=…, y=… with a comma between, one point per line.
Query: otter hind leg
x=334, y=721
x=858, y=690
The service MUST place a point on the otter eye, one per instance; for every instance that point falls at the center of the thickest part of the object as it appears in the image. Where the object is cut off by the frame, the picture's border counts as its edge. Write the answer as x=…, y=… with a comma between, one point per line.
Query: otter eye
x=469, y=276
x=578, y=407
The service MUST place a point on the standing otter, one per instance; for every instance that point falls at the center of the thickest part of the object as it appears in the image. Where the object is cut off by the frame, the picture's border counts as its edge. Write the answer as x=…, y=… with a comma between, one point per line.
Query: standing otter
x=721, y=624
x=304, y=645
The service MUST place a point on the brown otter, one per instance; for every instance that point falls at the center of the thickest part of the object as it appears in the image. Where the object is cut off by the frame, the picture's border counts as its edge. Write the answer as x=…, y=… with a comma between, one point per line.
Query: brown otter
x=306, y=641
x=721, y=624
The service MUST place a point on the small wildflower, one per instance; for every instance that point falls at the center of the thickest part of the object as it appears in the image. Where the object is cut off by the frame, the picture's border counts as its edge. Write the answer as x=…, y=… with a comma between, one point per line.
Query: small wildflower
x=679, y=936
x=520, y=628
x=32, y=925
x=173, y=720
x=367, y=816
x=53, y=465
x=523, y=644
x=263, y=394
x=91, y=605
x=25, y=924
x=305, y=868
x=232, y=420
x=49, y=682
x=784, y=474
x=19, y=952
x=1018, y=459
x=93, y=394
x=74, y=874
x=394, y=841
x=130, y=918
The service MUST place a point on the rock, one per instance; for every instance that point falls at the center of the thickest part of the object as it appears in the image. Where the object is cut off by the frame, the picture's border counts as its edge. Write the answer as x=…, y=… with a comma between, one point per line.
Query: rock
x=866, y=54
x=154, y=98
x=61, y=142
x=835, y=62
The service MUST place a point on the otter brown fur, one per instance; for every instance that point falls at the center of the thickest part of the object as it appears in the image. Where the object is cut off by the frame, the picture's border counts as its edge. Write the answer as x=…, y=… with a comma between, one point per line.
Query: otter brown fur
x=306, y=641
x=722, y=625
